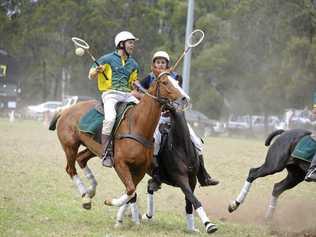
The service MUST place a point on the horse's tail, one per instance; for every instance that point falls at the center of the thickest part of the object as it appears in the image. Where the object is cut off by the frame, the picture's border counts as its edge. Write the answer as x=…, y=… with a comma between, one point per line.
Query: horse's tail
x=272, y=135
x=53, y=122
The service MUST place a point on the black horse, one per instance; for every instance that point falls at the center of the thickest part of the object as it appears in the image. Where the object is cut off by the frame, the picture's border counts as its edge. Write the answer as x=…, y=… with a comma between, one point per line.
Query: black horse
x=179, y=167
x=278, y=158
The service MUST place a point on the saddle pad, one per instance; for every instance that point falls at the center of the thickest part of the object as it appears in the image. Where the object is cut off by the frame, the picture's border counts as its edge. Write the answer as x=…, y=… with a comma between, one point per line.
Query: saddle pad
x=91, y=122
x=305, y=149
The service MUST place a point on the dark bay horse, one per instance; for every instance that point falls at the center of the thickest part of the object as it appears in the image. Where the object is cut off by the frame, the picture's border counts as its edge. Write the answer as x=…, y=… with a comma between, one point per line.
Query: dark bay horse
x=179, y=165
x=131, y=158
x=278, y=158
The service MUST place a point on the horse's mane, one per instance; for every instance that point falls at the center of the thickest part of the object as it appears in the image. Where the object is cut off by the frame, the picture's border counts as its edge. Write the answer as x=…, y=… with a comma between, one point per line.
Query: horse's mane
x=179, y=133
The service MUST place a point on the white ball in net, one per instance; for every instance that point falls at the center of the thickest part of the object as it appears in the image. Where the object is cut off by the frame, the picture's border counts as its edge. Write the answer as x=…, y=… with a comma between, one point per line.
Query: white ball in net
x=79, y=51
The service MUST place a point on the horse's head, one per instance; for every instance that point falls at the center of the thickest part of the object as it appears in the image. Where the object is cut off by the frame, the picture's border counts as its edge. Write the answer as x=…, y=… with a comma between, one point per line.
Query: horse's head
x=168, y=92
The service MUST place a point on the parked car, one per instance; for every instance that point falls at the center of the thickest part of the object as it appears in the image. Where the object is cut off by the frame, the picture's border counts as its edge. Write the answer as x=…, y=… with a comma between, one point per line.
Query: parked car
x=202, y=125
x=38, y=111
x=71, y=100
x=253, y=124
x=299, y=118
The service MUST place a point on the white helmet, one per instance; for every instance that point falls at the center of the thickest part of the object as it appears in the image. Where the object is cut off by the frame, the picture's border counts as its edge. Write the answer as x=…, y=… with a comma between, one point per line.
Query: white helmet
x=161, y=54
x=123, y=36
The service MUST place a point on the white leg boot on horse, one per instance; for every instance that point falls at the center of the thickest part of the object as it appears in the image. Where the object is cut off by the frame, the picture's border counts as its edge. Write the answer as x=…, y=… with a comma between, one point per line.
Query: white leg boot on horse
x=118, y=202
x=150, y=207
x=119, y=216
x=271, y=208
x=89, y=175
x=135, y=213
x=190, y=223
x=86, y=200
x=209, y=227
x=241, y=197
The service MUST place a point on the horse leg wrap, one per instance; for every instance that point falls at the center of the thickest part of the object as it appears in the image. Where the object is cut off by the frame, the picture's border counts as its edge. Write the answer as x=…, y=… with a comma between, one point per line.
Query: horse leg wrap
x=81, y=188
x=271, y=207
x=120, y=214
x=209, y=227
x=150, y=205
x=243, y=193
x=135, y=213
x=190, y=223
x=121, y=200
x=202, y=215
x=89, y=175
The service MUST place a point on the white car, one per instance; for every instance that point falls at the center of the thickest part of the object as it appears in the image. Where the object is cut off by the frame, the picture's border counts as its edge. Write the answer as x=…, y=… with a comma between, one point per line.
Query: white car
x=71, y=100
x=242, y=124
x=37, y=111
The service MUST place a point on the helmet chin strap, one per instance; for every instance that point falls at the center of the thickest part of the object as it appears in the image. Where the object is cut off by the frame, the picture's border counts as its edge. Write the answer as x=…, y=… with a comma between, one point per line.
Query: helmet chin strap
x=123, y=48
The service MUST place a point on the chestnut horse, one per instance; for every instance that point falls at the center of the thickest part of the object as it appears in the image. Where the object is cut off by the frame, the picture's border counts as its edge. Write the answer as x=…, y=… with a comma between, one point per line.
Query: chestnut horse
x=133, y=146
x=179, y=165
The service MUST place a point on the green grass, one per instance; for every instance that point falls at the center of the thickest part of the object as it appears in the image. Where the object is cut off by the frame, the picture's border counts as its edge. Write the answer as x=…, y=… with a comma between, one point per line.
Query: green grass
x=37, y=198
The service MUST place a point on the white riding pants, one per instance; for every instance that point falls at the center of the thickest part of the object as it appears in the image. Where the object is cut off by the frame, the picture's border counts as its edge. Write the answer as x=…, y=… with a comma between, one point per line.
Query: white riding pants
x=110, y=98
x=194, y=138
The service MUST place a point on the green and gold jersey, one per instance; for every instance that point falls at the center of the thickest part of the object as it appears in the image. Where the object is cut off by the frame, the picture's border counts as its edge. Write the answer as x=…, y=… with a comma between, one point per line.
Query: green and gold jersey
x=121, y=74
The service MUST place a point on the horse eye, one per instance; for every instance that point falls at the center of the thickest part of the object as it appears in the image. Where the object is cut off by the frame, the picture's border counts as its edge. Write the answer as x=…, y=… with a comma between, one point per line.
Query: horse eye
x=165, y=83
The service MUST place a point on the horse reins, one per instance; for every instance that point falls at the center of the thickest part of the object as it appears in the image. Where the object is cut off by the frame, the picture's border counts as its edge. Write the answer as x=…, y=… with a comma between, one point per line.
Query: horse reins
x=162, y=100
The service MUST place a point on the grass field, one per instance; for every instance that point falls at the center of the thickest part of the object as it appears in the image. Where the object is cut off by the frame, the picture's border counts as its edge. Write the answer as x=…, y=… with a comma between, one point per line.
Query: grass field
x=37, y=198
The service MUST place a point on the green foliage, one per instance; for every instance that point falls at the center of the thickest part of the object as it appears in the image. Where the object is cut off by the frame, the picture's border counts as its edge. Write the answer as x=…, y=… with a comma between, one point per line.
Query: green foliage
x=261, y=55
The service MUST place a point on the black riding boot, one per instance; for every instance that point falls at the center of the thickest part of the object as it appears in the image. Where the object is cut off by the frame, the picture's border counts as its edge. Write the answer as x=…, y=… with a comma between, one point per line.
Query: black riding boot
x=203, y=177
x=311, y=173
x=107, y=160
x=155, y=182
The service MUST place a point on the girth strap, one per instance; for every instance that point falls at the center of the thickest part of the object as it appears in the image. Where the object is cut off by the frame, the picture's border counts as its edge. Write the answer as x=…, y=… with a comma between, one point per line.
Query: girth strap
x=136, y=137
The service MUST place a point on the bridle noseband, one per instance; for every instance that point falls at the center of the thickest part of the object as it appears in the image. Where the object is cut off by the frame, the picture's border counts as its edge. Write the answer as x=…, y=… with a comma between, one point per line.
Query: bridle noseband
x=163, y=101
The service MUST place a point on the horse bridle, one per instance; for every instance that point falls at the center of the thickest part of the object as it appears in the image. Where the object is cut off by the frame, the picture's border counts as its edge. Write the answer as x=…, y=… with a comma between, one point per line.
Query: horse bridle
x=163, y=101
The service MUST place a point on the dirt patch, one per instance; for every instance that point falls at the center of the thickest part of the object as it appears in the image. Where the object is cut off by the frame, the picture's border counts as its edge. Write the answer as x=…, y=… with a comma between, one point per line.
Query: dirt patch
x=292, y=218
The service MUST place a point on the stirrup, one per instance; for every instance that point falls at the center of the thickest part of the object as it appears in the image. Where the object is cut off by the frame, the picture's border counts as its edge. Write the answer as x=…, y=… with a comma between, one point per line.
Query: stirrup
x=311, y=176
x=107, y=159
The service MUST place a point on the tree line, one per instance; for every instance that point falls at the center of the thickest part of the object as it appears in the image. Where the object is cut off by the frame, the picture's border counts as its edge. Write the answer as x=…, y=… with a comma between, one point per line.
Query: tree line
x=258, y=57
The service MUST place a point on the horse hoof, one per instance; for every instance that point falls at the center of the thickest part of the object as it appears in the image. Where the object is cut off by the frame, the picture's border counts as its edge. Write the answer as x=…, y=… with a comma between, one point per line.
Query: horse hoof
x=210, y=228
x=233, y=206
x=86, y=203
x=194, y=230
x=107, y=202
x=268, y=220
x=86, y=206
x=268, y=217
x=91, y=193
x=145, y=217
x=118, y=224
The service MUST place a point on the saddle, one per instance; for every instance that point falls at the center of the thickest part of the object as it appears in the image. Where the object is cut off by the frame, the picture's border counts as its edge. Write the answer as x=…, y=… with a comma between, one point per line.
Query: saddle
x=92, y=121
